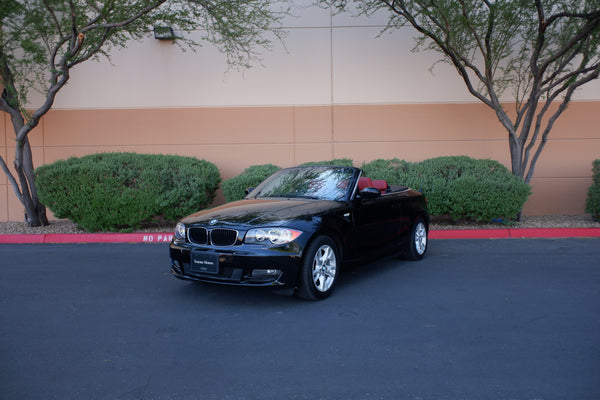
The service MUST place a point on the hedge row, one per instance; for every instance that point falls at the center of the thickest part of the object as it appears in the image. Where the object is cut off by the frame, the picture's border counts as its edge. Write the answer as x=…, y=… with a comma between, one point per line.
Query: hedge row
x=592, y=205
x=460, y=187
x=235, y=188
x=124, y=191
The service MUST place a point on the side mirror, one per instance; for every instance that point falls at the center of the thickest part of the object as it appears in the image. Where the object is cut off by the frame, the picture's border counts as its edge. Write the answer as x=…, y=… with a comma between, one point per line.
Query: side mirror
x=370, y=193
x=248, y=190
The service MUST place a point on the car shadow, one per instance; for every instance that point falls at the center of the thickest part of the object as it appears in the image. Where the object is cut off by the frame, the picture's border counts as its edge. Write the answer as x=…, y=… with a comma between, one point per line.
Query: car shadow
x=363, y=272
x=354, y=278
x=234, y=295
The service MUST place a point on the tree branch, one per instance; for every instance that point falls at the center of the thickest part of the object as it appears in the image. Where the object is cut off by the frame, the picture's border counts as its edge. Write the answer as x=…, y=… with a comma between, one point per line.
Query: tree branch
x=593, y=24
x=567, y=77
x=563, y=106
x=453, y=55
x=53, y=15
x=11, y=179
x=540, y=40
x=124, y=22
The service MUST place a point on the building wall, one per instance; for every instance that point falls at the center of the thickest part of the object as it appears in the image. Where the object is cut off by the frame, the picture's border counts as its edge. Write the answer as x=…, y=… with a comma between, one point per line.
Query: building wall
x=335, y=90
x=236, y=137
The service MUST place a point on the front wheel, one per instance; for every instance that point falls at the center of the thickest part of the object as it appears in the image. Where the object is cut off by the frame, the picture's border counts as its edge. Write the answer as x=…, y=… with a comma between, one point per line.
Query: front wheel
x=417, y=245
x=320, y=269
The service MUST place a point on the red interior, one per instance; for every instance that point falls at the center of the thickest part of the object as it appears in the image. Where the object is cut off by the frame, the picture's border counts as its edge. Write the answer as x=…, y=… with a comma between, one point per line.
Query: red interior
x=364, y=182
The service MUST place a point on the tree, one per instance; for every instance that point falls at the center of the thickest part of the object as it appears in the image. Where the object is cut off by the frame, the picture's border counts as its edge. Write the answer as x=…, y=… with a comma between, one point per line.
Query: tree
x=42, y=40
x=537, y=51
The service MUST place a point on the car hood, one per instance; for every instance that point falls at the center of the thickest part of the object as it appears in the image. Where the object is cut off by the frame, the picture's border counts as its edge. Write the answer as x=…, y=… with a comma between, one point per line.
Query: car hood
x=262, y=212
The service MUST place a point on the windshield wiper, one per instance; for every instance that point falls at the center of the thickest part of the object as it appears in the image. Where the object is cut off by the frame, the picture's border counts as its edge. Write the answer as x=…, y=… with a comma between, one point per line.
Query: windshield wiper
x=296, y=196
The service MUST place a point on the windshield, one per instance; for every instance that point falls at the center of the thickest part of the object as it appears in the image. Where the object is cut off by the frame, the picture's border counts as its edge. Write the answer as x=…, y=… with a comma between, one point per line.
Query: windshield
x=315, y=182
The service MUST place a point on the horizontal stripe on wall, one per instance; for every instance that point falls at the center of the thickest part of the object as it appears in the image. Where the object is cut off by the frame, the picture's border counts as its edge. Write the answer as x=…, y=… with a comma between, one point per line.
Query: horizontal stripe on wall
x=236, y=137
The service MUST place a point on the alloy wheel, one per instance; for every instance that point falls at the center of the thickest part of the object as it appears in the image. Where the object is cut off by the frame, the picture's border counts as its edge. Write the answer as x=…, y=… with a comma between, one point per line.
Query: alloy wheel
x=324, y=268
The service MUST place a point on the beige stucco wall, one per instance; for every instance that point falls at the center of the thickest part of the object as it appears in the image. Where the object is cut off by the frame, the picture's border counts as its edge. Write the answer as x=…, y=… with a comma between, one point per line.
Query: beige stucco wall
x=236, y=137
x=334, y=89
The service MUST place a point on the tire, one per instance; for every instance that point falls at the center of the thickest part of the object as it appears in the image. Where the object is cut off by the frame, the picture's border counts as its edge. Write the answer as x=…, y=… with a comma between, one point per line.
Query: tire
x=320, y=269
x=419, y=241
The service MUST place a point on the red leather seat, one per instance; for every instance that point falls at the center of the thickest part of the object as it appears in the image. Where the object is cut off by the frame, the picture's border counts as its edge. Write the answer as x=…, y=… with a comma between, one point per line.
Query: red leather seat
x=364, y=182
x=380, y=185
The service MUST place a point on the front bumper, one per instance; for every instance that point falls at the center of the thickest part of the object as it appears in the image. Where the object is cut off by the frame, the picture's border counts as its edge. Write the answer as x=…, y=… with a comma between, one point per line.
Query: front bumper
x=243, y=265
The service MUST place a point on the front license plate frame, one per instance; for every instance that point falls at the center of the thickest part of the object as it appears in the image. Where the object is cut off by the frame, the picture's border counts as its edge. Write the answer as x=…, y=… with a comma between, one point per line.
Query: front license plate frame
x=205, y=263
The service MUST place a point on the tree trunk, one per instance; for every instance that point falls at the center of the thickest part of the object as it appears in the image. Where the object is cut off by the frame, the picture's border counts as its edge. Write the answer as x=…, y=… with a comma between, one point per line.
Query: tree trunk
x=35, y=211
x=516, y=157
x=23, y=182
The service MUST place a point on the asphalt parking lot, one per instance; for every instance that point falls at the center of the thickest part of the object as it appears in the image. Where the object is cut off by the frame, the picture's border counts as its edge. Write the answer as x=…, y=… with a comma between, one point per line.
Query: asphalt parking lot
x=476, y=319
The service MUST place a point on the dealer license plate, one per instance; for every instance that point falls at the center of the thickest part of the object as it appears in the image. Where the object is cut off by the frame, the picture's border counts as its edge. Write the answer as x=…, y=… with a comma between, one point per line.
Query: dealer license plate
x=204, y=262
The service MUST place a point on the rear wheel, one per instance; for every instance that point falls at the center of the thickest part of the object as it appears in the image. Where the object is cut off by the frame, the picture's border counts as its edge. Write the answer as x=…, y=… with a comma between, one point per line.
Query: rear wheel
x=417, y=247
x=320, y=269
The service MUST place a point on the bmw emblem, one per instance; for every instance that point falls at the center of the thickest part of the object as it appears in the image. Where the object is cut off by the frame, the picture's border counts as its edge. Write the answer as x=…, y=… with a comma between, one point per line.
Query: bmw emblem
x=213, y=221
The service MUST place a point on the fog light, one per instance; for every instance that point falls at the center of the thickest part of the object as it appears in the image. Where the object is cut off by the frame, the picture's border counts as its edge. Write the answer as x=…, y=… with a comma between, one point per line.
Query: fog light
x=176, y=266
x=262, y=273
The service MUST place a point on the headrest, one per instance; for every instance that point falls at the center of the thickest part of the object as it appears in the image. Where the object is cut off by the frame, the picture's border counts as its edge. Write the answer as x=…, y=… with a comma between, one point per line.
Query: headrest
x=364, y=182
x=380, y=185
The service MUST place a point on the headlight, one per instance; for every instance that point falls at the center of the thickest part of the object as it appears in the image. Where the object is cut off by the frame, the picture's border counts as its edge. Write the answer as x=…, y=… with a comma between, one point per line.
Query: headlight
x=271, y=236
x=180, y=231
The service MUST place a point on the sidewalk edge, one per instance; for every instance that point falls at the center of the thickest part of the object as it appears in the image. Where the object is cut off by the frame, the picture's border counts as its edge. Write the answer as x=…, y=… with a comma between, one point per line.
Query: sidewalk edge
x=165, y=238
x=150, y=237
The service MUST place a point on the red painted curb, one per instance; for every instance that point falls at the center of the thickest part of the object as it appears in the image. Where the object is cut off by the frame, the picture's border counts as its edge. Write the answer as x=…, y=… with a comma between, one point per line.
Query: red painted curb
x=514, y=233
x=470, y=234
x=554, y=232
x=161, y=237
x=16, y=239
x=88, y=238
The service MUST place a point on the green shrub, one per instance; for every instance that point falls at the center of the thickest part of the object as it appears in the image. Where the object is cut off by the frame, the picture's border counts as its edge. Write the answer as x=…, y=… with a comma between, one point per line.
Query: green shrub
x=235, y=188
x=453, y=167
x=467, y=188
x=592, y=204
x=124, y=191
x=460, y=187
x=395, y=172
x=485, y=199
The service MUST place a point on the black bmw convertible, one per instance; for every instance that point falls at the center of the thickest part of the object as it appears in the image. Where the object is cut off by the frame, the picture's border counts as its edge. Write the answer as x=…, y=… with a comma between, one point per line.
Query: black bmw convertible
x=297, y=228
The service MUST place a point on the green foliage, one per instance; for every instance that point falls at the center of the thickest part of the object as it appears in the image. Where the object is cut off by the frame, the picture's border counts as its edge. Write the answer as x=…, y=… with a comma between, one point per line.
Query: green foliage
x=592, y=204
x=460, y=187
x=235, y=188
x=41, y=40
x=342, y=162
x=485, y=199
x=394, y=171
x=123, y=191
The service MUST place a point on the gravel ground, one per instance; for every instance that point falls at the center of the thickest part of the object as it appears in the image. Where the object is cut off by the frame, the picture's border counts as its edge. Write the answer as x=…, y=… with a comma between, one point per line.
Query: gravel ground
x=547, y=221
x=60, y=226
x=543, y=221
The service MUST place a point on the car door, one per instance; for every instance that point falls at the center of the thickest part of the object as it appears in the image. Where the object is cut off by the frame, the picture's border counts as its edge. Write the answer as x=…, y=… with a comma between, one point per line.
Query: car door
x=376, y=223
